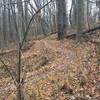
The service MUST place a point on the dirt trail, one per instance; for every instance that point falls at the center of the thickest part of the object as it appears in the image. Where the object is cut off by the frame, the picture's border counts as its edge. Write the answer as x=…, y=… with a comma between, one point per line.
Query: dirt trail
x=68, y=53
x=67, y=56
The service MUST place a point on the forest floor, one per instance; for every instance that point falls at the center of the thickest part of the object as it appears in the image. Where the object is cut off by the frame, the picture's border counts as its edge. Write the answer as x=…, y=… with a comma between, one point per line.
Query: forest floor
x=54, y=70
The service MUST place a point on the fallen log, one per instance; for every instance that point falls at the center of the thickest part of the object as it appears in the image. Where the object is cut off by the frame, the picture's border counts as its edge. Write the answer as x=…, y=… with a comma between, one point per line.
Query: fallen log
x=90, y=31
x=11, y=51
x=7, y=52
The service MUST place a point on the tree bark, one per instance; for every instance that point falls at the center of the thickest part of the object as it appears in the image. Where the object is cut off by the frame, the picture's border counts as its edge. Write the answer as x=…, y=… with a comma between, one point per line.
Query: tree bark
x=61, y=18
x=19, y=96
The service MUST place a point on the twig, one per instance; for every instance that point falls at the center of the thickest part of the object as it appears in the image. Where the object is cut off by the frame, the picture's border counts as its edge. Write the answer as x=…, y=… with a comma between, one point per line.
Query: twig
x=6, y=68
x=28, y=27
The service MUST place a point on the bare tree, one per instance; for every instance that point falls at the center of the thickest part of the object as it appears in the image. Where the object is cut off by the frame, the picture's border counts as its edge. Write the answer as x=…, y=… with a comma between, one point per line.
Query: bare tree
x=80, y=17
x=4, y=16
x=61, y=18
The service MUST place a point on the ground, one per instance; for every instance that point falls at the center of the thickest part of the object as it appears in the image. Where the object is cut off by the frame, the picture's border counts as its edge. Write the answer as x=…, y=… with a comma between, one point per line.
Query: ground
x=54, y=70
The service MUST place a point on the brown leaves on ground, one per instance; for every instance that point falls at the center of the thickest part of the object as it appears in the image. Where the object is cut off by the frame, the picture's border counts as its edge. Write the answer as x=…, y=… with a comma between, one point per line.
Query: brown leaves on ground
x=58, y=70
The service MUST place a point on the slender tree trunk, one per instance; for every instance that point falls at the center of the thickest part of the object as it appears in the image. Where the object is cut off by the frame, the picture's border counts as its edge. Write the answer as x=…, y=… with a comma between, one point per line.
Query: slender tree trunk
x=98, y=5
x=21, y=28
x=21, y=36
x=88, y=14
x=26, y=14
x=4, y=23
x=1, y=35
x=19, y=96
x=14, y=20
x=9, y=23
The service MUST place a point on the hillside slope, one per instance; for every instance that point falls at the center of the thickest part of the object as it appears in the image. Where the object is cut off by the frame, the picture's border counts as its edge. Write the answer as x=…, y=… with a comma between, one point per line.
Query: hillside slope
x=56, y=70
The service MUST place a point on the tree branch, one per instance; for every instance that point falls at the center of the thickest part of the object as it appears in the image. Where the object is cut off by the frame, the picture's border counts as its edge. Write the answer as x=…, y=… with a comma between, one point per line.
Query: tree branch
x=6, y=68
x=28, y=27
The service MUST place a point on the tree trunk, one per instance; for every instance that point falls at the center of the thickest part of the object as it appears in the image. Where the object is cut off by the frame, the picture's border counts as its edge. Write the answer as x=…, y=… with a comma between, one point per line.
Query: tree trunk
x=61, y=18
x=19, y=96
x=21, y=28
x=80, y=18
x=4, y=23
x=98, y=5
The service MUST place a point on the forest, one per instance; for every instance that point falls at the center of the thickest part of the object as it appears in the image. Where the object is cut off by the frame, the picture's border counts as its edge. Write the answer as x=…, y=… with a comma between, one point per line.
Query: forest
x=49, y=49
